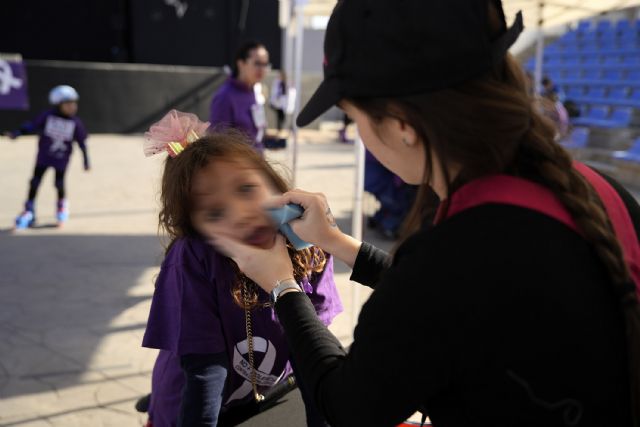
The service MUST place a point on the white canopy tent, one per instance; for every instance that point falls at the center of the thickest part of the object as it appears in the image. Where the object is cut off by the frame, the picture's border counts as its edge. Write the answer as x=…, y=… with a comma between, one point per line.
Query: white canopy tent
x=538, y=15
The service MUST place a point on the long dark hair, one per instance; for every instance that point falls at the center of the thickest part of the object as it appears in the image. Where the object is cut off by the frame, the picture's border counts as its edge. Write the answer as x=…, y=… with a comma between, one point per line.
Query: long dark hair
x=176, y=202
x=243, y=53
x=489, y=125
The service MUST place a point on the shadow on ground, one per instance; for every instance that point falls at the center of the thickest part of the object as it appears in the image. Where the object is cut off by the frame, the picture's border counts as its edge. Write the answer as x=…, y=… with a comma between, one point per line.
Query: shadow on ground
x=61, y=297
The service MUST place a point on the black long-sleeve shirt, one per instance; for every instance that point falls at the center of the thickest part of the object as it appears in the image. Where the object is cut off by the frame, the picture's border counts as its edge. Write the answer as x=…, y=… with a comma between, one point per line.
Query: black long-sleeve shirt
x=498, y=316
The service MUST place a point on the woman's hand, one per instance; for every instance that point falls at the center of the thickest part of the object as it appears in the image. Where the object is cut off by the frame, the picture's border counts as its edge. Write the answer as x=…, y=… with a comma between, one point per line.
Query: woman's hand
x=263, y=266
x=318, y=226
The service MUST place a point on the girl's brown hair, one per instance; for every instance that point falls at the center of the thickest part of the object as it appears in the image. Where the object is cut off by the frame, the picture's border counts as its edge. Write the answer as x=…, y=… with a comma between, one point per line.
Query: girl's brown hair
x=176, y=201
x=489, y=125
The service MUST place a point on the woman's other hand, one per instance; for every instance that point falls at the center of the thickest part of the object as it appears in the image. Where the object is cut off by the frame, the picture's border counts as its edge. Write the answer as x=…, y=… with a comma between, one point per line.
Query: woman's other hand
x=263, y=266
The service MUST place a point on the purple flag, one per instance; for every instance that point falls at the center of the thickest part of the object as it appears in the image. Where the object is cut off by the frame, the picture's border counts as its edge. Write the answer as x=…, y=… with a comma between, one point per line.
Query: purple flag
x=13, y=83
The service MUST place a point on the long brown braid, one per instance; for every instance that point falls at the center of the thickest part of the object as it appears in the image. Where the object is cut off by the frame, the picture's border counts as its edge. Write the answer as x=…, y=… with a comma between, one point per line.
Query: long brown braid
x=490, y=125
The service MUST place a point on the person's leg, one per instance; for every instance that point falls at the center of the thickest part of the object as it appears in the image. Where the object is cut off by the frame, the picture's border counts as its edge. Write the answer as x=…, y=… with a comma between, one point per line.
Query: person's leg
x=28, y=217
x=280, y=119
x=59, y=183
x=34, y=184
x=62, y=208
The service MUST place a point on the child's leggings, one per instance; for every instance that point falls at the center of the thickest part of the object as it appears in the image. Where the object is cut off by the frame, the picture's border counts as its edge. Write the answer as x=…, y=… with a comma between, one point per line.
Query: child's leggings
x=37, y=177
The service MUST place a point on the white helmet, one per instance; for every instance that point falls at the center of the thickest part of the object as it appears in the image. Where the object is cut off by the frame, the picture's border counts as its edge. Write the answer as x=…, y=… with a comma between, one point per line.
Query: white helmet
x=62, y=93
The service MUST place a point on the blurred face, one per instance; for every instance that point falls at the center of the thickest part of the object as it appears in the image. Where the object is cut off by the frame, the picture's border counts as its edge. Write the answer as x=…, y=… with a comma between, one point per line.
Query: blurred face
x=228, y=198
x=393, y=143
x=69, y=108
x=253, y=69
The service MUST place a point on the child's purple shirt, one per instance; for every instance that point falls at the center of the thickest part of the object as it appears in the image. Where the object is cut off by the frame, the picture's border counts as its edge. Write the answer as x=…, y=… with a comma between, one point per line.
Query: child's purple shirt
x=56, y=136
x=192, y=312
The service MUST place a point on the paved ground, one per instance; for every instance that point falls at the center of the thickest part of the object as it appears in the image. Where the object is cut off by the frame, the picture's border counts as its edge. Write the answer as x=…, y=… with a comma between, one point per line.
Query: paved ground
x=74, y=301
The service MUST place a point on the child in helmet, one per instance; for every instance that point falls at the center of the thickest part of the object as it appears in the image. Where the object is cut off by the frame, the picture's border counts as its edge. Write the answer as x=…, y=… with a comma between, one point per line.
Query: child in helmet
x=57, y=127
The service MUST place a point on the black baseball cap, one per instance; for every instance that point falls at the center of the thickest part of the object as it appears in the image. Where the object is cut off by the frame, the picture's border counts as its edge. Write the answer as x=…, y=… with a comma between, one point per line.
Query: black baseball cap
x=380, y=48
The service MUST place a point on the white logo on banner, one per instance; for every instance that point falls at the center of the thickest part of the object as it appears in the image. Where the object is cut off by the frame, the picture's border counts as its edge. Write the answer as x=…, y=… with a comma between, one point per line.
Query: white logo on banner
x=7, y=80
x=59, y=130
x=181, y=8
x=242, y=367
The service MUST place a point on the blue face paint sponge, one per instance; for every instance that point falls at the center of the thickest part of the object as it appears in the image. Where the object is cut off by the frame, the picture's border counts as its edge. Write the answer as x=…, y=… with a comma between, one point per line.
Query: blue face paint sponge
x=282, y=216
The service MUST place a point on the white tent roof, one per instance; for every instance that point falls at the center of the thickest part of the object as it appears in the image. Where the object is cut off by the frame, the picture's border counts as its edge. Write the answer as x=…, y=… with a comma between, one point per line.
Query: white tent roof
x=555, y=12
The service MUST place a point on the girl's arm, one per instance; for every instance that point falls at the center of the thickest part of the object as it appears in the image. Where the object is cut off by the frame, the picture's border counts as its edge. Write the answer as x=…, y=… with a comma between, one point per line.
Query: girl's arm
x=205, y=376
x=81, y=138
x=30, y=127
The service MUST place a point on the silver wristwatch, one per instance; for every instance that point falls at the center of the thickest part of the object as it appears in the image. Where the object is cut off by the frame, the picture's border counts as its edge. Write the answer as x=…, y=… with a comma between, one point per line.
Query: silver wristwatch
x=282, y=285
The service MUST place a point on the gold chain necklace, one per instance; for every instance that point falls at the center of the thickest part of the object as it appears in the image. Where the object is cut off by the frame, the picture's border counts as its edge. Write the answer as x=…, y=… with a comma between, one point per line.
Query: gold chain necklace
x=247, y=321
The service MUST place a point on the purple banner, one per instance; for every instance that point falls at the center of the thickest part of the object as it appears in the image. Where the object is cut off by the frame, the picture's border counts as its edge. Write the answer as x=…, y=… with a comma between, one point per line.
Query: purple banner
x=13, y=84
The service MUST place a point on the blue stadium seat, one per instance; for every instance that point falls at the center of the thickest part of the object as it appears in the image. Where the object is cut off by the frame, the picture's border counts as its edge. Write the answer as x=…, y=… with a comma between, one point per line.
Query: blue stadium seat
x=571, y=62
x=621, y=116
x=604, y=25
x=631, y=59
x=596, y=91
x=612, y=74
x=618, y=93
x=592, y=73
x=596, y=113
x=578, y=139
x=635, y=95
x=556, y=60
x=584, y=25
x=591, y=59
x=574, y=92
x=631, y=155
x=633, y=76
x=623, y=24
x=573, y=73
x=530, y=64
x=610, y=58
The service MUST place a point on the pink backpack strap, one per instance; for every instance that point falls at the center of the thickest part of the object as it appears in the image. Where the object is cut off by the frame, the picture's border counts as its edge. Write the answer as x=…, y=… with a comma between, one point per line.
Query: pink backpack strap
x=507, y=190
x=510, y=190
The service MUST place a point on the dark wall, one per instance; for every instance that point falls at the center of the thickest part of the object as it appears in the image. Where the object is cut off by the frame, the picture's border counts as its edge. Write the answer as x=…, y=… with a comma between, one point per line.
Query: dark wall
x=120, y=98
x=207, y=33
x=81, y=30
x=178, y=32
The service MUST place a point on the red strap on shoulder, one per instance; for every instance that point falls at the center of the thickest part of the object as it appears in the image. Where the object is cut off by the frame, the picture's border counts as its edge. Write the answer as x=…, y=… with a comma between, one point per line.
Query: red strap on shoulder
x=620, y=219
x=510, y=190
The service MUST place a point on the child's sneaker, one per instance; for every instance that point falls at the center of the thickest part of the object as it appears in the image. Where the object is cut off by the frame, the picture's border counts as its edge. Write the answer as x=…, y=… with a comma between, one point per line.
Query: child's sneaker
x=62, y=214
x=27, y=218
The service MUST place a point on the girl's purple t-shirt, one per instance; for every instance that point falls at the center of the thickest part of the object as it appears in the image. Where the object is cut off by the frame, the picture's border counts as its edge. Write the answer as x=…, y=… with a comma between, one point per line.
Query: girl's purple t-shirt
x=57, y=134
x=192, y=312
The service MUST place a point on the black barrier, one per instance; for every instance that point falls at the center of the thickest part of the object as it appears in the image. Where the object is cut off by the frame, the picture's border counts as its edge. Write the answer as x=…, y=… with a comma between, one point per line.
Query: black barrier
x=119, y=98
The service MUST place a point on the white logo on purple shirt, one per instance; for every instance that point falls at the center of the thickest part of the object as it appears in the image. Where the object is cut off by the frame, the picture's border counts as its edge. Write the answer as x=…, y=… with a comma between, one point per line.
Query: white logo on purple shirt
x=243, y=368
x=7, y=81
x=59, y=130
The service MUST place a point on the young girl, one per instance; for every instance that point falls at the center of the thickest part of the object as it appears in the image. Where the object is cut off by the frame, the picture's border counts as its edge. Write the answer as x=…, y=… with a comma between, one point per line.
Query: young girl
x=57, y=127
x=220, y=345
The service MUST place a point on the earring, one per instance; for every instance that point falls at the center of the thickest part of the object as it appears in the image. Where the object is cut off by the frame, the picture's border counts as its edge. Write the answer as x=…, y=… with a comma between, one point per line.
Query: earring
x=405, y=141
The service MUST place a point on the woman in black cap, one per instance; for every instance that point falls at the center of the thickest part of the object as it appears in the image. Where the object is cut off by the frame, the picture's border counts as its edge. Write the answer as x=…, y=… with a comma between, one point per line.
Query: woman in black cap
x=518, y=306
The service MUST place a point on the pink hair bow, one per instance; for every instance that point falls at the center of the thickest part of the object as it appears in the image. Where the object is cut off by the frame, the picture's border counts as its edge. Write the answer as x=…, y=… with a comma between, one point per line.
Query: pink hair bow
x=173, y=133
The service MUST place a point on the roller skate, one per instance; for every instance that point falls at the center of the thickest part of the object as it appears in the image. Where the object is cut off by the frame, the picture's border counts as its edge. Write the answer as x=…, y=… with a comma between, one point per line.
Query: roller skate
x=27, y=218
x=62, y=213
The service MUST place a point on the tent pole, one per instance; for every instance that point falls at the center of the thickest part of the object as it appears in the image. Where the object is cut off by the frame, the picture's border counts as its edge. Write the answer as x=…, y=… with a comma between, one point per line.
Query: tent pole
x=356, y=220
x=299, y=15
